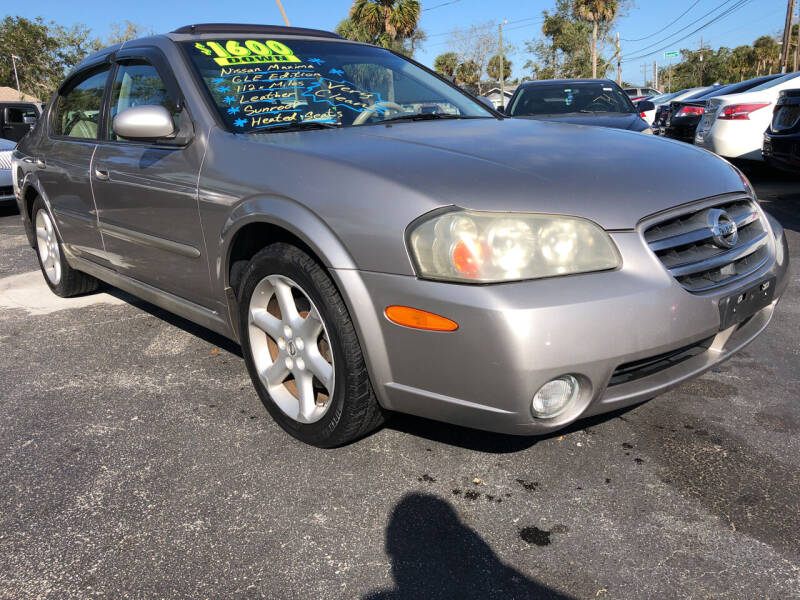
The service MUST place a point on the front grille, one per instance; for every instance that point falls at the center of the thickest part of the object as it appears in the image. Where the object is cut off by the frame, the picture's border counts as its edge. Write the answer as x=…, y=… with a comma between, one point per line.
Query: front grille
x=686, y=246
x=5, y=159
x=649, y=366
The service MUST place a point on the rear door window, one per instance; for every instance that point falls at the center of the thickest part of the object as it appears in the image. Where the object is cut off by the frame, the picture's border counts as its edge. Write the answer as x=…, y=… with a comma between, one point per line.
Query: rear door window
x=78, y=107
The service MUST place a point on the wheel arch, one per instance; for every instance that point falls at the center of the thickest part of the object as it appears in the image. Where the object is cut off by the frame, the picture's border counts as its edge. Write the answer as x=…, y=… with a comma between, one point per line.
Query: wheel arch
x=257, y=222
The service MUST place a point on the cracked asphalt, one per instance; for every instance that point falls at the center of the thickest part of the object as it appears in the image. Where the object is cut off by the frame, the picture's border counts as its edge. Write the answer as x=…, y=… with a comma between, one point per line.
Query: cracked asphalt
x=136, y=461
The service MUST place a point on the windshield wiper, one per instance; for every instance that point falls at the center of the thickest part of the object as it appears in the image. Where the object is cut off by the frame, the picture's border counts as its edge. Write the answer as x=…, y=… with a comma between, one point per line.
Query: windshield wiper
x=425, y=117
x=298, y=126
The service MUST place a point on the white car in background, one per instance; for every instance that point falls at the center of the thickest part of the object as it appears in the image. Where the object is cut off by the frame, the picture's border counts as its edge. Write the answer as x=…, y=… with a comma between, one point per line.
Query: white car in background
x=6, y=185
x=733, y=125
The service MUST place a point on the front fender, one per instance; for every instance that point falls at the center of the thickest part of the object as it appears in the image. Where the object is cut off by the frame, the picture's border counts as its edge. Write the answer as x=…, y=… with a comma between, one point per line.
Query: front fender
x=291, y=216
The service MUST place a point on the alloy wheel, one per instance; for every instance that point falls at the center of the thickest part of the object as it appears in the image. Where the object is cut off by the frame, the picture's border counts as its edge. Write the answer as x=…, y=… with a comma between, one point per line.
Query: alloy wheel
x=47, y=245
x=291, y=349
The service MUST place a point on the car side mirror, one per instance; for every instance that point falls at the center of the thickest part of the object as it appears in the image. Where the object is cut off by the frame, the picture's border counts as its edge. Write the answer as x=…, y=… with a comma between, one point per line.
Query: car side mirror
x=501, y=110
x=150, y=122
x=645, y=105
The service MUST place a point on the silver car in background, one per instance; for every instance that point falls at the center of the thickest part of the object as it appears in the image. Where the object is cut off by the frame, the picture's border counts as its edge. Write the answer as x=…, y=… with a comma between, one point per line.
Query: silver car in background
x=284, y=188
x=6, y=187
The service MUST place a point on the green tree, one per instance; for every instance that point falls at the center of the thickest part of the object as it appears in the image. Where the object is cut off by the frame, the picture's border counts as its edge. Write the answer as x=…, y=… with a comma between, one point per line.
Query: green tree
x=386, y=21
x=493, y=69
x=40, y=66
x=123, y=32
x=446, y=64
x=767, y=51
x=565, y=50
x=742, y=60
x=468, y=73
x=596, y=12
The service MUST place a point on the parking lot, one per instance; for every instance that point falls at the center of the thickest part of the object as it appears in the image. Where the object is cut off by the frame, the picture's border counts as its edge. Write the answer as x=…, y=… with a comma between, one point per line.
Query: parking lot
x=137, y=461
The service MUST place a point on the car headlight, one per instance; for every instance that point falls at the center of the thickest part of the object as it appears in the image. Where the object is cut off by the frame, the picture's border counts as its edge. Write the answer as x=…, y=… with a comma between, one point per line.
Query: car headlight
x=486, y=247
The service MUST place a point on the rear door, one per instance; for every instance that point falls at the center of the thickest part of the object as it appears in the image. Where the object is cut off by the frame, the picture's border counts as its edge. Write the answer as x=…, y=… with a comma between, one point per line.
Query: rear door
x=146, y=192
x=64, y=157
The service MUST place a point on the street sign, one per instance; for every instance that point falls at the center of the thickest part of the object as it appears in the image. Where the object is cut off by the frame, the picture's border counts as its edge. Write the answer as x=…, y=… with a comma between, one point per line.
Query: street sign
x=670, y=54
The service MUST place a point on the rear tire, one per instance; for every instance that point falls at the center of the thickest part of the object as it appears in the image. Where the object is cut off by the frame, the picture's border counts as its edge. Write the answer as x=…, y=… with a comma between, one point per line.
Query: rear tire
x=62, y=279
x=294, y=359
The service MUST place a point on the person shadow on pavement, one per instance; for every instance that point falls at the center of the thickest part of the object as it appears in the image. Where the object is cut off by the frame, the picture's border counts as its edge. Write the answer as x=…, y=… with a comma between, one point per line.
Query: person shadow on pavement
x=434, y=555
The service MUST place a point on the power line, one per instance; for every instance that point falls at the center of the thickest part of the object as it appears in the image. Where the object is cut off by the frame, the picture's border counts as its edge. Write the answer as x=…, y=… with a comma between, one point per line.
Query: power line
x=682, y=29
x=722, y=15
x=696, y=2
x=452, y=31
x=440, y=5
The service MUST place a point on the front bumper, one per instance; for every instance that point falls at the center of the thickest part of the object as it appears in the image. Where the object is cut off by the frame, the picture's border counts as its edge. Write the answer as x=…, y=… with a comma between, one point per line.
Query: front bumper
x=513, y=338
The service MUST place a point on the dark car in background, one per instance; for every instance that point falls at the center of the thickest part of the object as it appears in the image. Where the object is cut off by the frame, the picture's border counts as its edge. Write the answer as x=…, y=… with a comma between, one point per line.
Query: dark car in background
x=662, y=109
x=17, y=119
x=684, y=115
x=599, y=102
x=782, y=138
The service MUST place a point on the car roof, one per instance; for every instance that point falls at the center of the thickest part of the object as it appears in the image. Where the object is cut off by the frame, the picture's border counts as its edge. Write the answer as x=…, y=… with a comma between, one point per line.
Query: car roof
x=208, y=31
x=563, y=81
x=201, y=28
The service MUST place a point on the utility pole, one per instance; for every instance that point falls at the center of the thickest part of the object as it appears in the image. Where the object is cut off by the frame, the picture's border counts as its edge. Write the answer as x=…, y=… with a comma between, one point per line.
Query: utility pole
x=701, y=58
x=502, y=68
x=14, y=59
x=655, y=74
x=644, y=75
x=787, y=35
x=619, y=62
x=283, y=12
x=797, y=43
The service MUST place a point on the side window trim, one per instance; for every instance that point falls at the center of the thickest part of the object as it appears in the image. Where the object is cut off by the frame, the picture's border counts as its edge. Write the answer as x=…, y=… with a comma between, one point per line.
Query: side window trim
x=155, y=58
x=66, y=87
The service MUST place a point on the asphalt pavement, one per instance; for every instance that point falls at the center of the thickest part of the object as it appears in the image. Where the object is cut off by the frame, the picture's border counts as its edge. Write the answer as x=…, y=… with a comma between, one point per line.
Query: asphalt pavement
x=137, y=461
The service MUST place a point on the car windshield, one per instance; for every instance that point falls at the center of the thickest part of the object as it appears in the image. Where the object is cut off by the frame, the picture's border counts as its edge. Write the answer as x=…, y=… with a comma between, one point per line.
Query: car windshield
x=661, y=98
x=774, y=82
x=259, y=84
x=570, y=97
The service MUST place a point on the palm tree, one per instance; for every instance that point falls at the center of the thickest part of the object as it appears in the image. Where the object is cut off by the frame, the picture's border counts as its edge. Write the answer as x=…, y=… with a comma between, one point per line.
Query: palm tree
x=446, y=64
x=386, y=20
x=595, y=12
x=767, y=51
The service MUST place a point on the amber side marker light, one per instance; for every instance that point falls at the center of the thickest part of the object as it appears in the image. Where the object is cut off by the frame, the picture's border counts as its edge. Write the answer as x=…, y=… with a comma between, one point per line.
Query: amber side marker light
x=419, y=319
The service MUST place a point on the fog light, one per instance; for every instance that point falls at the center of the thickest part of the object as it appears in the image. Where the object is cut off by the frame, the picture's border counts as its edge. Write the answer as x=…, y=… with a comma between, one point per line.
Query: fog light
x=554, y=397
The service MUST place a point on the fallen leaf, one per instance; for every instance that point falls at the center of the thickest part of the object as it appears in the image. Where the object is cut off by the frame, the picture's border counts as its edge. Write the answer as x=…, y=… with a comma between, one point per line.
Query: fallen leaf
x=477, y=481
x=214, y=351
x=561, y=437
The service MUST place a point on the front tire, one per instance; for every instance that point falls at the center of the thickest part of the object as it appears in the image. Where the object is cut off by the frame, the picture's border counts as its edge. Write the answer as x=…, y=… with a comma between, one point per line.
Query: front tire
x=61, y=278
x=301, y=349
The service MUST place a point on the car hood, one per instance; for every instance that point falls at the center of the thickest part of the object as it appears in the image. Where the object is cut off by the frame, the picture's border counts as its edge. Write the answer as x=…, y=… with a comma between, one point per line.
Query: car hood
x=630, y=121
x=612, y=177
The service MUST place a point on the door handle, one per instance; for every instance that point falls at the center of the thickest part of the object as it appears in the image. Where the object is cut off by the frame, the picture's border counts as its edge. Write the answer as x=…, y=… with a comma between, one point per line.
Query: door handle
x=101, y=174
x=40, y=163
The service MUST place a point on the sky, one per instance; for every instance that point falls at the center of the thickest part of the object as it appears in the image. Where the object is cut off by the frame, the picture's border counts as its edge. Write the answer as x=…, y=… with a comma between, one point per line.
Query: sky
x=750, y=19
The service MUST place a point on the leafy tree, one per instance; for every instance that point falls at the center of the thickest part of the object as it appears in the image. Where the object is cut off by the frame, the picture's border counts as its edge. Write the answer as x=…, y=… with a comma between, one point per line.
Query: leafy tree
x=767, y=51
x=468, y=73
x=386, y=21
x=596, y=12
x=123, y=32
x=40, y=66
x=565, y=50
x=446, y=64
x=493, y=69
